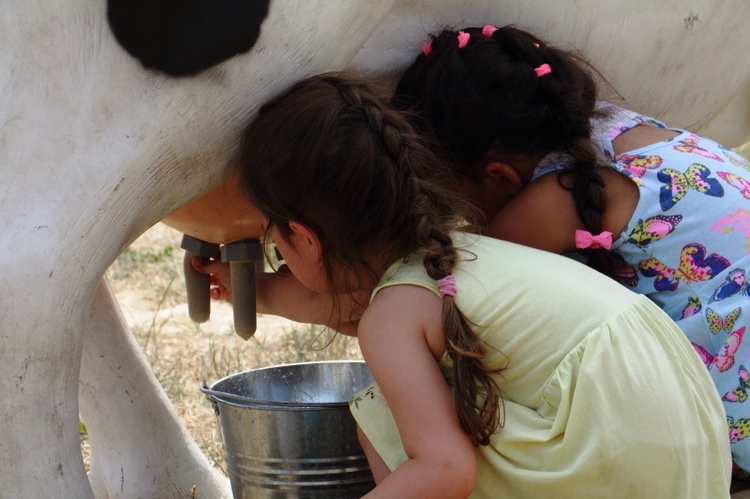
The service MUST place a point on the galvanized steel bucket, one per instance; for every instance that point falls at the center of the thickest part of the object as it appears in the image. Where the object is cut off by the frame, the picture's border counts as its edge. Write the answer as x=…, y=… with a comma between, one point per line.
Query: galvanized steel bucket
x=288, y=433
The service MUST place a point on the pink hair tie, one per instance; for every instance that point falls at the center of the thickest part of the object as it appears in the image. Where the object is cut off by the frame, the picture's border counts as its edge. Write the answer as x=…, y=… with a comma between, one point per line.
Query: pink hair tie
x=427, y=48
x=447, y=286
x=463, y=39
x=536, y=45
x=488, y=30
x=542, y=70
x=584, y=240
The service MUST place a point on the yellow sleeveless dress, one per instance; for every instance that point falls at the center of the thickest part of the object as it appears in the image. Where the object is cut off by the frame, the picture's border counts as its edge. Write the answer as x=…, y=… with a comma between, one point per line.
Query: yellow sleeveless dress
x=604, y=395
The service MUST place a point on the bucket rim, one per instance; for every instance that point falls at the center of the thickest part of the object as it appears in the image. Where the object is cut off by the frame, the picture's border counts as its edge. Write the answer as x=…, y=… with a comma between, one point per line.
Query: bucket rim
x=235, y=400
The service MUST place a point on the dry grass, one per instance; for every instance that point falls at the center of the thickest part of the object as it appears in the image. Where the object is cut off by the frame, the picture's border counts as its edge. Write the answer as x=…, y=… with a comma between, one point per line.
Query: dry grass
x=147, y=279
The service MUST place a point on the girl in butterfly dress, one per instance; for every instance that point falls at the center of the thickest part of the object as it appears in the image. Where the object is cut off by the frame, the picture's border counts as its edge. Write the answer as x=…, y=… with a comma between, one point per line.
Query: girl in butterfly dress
x=501, y=370
x=662, y=210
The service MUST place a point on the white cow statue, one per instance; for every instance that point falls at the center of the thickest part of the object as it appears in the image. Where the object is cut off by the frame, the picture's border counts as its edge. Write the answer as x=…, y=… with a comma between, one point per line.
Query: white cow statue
x=114, y=115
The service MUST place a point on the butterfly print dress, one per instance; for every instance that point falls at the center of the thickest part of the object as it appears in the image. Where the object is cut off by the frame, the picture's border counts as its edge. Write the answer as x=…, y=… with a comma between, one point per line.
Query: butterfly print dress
x=687, y=246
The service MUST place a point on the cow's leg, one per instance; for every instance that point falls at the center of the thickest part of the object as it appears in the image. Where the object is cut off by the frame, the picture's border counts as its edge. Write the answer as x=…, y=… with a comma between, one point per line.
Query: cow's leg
x=40, y=340
x=139, y=447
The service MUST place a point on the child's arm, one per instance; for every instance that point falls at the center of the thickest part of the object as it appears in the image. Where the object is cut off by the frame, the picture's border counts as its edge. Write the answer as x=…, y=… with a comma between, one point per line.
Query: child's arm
x=283, y=295
x=401, y=337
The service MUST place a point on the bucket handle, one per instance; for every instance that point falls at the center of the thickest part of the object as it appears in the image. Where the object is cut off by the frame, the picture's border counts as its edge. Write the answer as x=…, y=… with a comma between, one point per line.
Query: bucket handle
x=205, y=389
x=214, y=395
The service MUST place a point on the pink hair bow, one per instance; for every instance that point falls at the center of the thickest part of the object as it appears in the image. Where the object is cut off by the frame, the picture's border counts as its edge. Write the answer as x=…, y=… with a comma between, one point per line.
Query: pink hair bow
x=542, y=70
x=427, y=48
x=447, y=286
x=584, y=240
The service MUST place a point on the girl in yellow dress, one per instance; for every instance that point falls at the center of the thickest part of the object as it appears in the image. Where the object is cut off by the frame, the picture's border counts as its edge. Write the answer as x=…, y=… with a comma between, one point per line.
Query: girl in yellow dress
x=501, y=370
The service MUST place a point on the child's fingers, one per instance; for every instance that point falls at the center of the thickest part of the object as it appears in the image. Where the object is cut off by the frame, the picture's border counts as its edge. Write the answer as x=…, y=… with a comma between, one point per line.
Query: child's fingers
x=199, y=264
x=214, y=267
x=221, y=292
x=207, y=265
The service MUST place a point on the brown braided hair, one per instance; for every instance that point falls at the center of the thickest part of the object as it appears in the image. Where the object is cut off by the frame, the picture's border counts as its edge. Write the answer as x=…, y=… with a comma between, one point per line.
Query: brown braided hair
x=486, y=97
x=332, y=154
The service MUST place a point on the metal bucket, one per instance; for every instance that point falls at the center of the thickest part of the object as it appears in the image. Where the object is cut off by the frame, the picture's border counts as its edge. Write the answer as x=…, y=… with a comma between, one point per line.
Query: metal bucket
x=287, y=430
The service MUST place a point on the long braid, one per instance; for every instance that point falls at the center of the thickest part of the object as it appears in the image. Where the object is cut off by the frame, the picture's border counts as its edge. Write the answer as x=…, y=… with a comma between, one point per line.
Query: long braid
x=572, y=96
x=568, y=99
x=477, y=396
x=590, y=200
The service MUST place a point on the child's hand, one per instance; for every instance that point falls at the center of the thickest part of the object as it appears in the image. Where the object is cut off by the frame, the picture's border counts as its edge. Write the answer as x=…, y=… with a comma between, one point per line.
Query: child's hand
x=221, y=284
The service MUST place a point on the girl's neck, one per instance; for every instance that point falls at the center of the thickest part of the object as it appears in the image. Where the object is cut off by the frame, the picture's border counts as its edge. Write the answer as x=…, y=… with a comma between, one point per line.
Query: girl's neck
x=366, y=275
x=523, y=164
x=381, y=263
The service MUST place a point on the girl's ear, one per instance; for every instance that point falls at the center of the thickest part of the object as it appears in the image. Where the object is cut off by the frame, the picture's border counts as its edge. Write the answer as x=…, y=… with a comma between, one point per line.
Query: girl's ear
x=306, y=242
x=503, y=177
